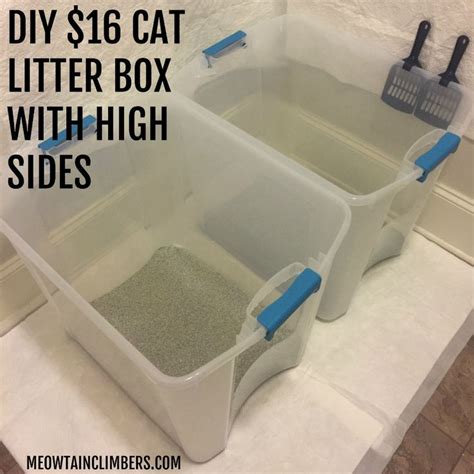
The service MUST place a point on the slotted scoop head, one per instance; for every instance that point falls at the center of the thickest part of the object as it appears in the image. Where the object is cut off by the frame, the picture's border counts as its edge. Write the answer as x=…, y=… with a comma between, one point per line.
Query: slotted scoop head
x=437, y=103
x=401, y=89
x=403, y=85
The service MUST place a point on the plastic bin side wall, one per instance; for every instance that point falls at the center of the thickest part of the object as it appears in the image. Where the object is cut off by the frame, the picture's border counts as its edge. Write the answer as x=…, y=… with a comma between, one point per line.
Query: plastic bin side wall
x=181, y=412
x=201, y=413
x=351, y=260
x=286, y=354
x=196, y=418
x=71, y=228
x=116, y=363
x=403, y=214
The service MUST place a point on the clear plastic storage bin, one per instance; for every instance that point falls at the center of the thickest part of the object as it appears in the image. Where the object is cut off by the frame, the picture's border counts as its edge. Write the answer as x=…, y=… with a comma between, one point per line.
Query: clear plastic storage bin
x=178, y=266
x=312, y=94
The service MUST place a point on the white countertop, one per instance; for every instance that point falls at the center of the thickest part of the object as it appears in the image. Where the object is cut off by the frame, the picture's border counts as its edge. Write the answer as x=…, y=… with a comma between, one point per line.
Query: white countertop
x=347, y=406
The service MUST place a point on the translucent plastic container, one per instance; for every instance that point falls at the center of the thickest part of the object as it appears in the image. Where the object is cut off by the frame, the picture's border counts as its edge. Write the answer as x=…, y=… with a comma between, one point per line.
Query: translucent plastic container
x=311, y=93
x=203, y=227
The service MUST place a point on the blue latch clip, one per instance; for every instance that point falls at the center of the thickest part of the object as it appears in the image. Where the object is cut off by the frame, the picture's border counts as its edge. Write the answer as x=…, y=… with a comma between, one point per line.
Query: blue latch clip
x=275, y=314
x=446, y=145
x=88, y=125
x=224, y=45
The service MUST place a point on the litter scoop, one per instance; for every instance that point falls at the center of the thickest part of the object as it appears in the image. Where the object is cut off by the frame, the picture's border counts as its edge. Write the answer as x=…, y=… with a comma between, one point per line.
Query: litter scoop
x=437, y=102
x=403, y=85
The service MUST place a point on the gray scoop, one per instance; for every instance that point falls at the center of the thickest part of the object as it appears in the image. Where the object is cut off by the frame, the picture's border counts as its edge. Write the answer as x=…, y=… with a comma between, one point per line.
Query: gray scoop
x=403, y=85
x=438, y=100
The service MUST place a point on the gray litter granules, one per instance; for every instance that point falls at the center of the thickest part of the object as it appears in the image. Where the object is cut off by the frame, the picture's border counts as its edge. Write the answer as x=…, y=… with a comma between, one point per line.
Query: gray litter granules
x=180, y=313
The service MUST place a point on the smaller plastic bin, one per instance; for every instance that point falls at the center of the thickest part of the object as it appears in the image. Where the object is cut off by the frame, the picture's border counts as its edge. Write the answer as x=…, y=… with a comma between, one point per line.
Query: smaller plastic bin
x=311, y=94
x=155, y=277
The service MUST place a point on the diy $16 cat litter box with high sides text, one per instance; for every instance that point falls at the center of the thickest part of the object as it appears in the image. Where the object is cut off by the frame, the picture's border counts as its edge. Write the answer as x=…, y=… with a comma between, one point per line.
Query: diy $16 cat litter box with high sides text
x=311, y=95
x=183, y=322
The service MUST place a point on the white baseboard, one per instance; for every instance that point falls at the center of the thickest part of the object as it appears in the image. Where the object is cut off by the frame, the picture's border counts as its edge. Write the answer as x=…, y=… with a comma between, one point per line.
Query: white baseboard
x=448, y=220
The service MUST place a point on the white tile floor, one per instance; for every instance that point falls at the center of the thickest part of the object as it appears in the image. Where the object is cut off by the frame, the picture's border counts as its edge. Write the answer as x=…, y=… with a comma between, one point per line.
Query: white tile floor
x=362, y=380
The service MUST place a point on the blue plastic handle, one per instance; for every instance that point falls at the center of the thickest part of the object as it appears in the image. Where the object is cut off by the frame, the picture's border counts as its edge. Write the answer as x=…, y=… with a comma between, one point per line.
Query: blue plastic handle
x=50, y=143
x=225, y=43
x=275, y=314
x=446, y=145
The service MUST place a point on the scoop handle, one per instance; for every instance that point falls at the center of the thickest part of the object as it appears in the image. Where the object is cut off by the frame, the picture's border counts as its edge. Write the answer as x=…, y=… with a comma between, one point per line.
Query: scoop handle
x=450, y=74
x=421, y=35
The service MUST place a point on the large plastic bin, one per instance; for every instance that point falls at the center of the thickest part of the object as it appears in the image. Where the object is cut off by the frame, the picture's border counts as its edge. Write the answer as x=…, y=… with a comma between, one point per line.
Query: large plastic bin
x=198, y=198
x=312, y=93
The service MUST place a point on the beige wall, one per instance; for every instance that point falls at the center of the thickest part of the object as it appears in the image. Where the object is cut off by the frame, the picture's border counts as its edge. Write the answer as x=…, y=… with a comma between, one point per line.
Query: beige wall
x=6, y=250
x=458, y=173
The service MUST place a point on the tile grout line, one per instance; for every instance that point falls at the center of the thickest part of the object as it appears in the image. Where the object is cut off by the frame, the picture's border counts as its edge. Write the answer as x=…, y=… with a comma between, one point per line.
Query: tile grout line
x=457, y=461
x=442, y=431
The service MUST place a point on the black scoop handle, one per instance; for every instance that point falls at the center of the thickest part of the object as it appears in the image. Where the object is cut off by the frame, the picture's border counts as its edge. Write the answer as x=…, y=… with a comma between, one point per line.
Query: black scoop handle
x=421, y=34
x=450, y=74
